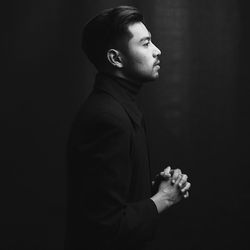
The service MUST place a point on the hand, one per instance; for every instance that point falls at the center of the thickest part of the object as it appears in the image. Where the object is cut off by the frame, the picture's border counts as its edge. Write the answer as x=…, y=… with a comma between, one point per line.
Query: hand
x=173, y=186
x=170, y=190
x=179, y=178
x=164, y=175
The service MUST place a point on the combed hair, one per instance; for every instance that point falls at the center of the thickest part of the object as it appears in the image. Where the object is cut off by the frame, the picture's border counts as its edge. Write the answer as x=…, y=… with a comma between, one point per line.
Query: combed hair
x=105, y=30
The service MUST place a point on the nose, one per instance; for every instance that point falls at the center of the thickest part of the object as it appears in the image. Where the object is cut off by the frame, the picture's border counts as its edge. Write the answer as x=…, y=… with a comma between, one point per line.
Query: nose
x=156, y=51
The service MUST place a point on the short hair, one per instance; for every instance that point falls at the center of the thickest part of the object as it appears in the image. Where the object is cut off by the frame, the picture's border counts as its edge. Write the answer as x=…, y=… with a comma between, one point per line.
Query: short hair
x=106, y=30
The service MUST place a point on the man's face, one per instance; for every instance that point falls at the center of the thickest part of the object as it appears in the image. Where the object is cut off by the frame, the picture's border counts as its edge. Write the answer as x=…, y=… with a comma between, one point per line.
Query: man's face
x=141, y=58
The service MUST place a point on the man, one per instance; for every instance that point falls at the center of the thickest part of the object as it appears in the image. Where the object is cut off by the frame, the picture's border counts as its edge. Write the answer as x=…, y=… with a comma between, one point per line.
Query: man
x=111, y=203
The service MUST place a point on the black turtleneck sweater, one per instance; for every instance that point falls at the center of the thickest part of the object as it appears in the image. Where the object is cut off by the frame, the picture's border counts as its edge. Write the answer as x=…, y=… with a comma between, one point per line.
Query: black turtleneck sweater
x=109, y=172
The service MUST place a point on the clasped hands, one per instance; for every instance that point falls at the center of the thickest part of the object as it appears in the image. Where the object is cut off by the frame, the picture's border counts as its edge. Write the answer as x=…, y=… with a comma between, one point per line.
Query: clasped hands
x=170, y=186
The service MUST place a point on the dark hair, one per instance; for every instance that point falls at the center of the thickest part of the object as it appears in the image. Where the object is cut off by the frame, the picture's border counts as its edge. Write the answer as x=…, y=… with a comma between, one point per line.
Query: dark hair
x=106, y=29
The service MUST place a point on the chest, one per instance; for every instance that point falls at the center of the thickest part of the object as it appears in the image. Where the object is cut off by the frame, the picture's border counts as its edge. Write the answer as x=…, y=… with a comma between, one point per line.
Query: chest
x=141, y=177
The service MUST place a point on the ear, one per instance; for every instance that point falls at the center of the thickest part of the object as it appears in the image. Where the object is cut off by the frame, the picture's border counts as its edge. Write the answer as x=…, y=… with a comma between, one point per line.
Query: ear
x=115, y=58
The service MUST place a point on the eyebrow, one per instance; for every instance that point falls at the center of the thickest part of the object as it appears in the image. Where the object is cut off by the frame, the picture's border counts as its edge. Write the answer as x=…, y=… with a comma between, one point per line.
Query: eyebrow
x=146, y=38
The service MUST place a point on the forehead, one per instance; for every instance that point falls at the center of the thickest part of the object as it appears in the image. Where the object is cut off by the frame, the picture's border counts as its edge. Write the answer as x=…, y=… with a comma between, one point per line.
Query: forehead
x=138, y=31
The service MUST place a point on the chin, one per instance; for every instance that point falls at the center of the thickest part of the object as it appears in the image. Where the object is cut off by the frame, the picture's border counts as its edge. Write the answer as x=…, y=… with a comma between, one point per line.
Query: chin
x=156, y=76
x=147, y=77
x=151, y=79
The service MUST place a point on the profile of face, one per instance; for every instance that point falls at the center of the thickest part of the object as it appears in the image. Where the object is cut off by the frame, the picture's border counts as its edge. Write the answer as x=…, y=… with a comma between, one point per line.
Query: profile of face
x=141, y=57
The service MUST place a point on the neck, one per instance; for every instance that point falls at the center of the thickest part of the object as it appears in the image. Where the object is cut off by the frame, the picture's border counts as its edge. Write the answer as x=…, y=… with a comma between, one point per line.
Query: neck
x=132, y=87
x=120, y=74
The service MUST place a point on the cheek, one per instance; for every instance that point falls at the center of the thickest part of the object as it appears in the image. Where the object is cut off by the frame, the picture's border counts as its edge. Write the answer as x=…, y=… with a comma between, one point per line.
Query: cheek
x=141, y=60
x=138, y=59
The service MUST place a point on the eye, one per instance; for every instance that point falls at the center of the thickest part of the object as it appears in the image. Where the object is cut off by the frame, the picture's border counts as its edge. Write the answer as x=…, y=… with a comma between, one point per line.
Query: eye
x=146, y=44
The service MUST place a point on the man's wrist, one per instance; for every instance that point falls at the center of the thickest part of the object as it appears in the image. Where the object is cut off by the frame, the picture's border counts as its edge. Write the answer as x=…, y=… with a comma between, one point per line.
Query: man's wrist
x=161, y=203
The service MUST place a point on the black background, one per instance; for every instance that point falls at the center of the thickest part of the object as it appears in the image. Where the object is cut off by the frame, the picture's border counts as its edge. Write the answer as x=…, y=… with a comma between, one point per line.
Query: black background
x=197, y=116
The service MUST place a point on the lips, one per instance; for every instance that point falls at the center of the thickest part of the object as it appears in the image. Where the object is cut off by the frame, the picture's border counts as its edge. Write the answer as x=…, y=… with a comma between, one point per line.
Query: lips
x=157, y=63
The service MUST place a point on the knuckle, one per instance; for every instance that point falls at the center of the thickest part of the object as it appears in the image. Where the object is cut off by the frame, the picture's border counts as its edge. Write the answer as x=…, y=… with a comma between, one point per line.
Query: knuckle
x=184, y=177
x=177, y=172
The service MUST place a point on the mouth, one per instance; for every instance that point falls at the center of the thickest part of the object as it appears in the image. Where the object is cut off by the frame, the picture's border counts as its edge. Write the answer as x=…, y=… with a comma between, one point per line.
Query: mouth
x=157, y=63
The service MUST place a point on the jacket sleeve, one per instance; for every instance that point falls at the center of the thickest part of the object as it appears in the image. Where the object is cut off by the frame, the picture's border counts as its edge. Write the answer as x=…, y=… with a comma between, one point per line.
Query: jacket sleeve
x=102, y=153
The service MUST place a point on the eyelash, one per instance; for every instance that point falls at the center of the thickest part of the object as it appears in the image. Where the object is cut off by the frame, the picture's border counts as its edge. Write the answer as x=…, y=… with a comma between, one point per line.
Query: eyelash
x=146, y=44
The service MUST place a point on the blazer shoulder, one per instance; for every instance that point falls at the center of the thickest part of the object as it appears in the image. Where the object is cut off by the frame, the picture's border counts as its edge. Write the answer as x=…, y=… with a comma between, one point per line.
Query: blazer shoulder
x=102, y=107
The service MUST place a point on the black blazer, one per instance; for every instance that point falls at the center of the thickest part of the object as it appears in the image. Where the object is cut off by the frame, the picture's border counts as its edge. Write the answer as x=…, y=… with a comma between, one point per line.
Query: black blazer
x=109, y=174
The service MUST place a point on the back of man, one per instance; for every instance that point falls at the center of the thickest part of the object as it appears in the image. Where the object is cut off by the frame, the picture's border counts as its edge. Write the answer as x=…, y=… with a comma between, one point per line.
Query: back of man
x=109, y=172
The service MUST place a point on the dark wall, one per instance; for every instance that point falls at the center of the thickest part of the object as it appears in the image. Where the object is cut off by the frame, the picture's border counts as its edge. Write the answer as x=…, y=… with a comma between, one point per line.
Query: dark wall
x=197, y=116
x=199, y=119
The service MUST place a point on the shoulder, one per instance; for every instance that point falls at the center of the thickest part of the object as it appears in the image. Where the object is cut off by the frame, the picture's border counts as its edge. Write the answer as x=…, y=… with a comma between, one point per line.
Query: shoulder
x=102, y=107
x=99, y=119
x=101, y=111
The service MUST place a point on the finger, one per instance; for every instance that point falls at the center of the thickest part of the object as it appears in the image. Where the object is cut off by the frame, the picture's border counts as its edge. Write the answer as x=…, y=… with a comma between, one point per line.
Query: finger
x=186, y=188
x=177, y=181
x=176, y=173
x=166, y=173
x=183, y=181
x=186, y=195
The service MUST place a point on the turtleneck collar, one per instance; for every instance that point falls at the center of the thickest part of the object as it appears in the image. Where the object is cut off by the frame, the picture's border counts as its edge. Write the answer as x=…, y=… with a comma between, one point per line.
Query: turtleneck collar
x=131, y=88
x=123, y=91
